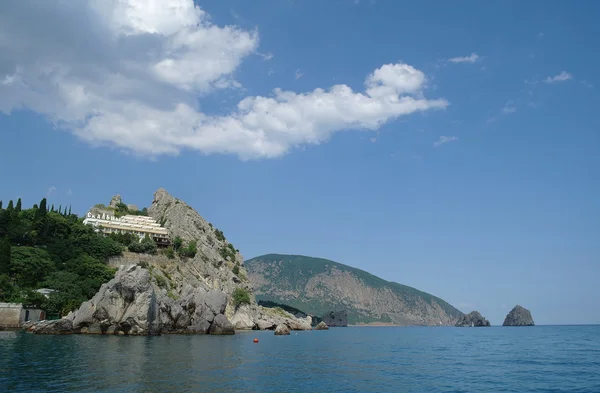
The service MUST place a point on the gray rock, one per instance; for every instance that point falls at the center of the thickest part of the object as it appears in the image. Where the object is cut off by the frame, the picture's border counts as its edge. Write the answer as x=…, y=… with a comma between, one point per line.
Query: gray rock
x=336, y=318
x=221, y=326
x=58, y=326
x=242, y=318
x=116, y=200
x=322, y=326
x=282, y=330
x=474, y=319
x=519, y=316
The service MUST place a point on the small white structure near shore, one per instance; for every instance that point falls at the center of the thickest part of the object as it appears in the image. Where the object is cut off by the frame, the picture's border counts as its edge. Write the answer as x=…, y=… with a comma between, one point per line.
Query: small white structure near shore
x=13, y=315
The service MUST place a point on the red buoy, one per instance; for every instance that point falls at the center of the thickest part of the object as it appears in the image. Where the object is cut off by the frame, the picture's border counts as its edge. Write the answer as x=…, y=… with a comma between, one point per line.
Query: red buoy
x=255, y=340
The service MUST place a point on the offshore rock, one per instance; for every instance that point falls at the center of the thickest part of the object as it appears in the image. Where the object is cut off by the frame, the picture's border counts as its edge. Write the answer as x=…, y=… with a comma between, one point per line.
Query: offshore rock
x=519, y=316
x=322, y=326
x=282, y=330
x=474, y=319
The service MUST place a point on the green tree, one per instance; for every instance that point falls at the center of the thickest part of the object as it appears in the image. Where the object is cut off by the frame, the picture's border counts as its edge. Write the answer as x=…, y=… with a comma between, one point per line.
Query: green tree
x=8, y=291
x=69, y=211
x=189, y=251
x=146, y=246
x=0, y=205
x=42, y=209
x=18, y=207
x=236, y=270
x=52, y=208
x=30, y=265
x=10, y=205
x=4, y=256
x=177, y=243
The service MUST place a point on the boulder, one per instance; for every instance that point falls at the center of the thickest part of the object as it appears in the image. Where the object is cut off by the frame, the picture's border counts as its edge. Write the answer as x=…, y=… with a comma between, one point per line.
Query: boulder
x=322, y=326
x=58, y=326
x=242, y=318
x=282, y=330
x=473, y=318
x=519, y=316
x=221, y=326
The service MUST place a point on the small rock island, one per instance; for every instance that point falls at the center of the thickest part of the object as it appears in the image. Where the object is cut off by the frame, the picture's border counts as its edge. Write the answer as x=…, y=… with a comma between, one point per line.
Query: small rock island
x=519, y=316
x=474, y=319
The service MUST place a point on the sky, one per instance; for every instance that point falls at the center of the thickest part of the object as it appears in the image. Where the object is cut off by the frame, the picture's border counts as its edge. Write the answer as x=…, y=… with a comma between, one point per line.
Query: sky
x=452, y=147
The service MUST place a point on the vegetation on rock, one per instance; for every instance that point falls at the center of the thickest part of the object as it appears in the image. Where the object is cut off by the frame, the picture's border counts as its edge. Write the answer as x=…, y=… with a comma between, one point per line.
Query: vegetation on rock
x=41, y=248
x=241, y=296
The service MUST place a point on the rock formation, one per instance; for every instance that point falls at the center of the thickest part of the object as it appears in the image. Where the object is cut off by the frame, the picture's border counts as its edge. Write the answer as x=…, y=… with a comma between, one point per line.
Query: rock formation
x=519, y=316
x=282, y=330
x=322, y=326
x=336, y=318
x=474, y=318
x=316, y=286
x=115, y=201
x=155, y=294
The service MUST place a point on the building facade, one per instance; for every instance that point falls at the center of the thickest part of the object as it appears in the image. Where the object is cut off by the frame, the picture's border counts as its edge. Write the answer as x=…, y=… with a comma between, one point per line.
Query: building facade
x=139, y=226
x=13, y=315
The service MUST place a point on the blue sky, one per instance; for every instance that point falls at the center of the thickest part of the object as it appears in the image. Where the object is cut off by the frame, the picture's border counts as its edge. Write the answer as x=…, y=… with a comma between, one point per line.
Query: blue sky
x=459, y=155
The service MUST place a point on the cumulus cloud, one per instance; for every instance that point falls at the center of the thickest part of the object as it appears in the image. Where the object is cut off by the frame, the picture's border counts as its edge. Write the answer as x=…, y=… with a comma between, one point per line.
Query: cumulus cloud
x=472, y=58
x=563, y=76
x=128, y=74
x=444, y=139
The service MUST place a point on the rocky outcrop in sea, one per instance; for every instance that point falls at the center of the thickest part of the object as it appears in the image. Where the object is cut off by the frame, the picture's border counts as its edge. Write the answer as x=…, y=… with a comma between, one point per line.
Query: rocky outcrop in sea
x=474, y=319
x=322, y=326
x=519, y=316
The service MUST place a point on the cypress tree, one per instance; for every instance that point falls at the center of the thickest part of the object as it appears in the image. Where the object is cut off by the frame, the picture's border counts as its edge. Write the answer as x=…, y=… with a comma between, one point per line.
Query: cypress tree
x=0, y=205
x=52, y=208
x=43, y=210
x=4, y=256
x=59, y=209
x=67, y=214
x=18, y=207
x=10, y=205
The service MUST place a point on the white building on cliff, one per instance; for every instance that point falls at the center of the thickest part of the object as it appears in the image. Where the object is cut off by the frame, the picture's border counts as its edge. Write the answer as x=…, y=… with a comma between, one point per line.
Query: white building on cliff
x=136, y=225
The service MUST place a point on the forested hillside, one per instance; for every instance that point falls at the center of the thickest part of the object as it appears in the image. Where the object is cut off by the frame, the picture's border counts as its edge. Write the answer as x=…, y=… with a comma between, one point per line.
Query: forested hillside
x=45, y=247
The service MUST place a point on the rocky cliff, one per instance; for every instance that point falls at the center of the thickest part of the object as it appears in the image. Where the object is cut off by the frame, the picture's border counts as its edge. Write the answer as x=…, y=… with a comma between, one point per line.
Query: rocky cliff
x=318, y=286
x=159, y=294
x=519, y=316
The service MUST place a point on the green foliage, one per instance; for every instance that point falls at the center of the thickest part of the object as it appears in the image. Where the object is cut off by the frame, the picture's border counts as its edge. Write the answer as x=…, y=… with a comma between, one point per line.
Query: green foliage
x=219, y=235
x=18, y=207
x=227, y=251
x=189, y=251
x=4, y=256
x=125, y=239
x=146, y=246
x=177, y=243
x=241, y=296
x=45, y=249
x=30, y=265
x=161, y=282
x=236, y=270
x=169, y=252
x=122, y=210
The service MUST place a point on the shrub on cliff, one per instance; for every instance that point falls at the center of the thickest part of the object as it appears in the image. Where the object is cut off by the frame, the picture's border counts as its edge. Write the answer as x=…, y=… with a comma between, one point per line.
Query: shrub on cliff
x=241, y=296
x=146, y=246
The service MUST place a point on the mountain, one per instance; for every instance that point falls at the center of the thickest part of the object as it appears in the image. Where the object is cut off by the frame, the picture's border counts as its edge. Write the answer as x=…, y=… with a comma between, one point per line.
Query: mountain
x=317, y=286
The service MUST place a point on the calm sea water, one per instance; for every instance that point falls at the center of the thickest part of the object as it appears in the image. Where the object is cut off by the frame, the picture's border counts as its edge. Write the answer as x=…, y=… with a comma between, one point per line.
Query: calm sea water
x=368, y=359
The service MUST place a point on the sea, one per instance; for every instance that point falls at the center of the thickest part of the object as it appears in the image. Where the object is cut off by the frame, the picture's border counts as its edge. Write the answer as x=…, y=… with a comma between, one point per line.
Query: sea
x=353, y=359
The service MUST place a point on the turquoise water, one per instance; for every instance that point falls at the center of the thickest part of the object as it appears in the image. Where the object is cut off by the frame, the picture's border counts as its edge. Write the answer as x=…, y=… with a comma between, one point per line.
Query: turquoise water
x=369, y=359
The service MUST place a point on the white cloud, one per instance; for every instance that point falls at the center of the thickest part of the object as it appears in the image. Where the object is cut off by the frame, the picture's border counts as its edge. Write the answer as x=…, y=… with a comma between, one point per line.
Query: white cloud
x=69, y=192
x=298, y=74
x=129, y=76
x=50, y=191
x=563, y=76
x=509, y=107
x=444, y=139
x=472, y=58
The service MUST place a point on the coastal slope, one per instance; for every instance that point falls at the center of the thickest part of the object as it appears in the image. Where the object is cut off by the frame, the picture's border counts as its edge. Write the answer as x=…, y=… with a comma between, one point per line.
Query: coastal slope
x=318, y=286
